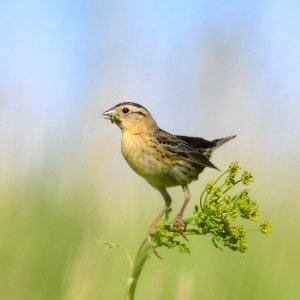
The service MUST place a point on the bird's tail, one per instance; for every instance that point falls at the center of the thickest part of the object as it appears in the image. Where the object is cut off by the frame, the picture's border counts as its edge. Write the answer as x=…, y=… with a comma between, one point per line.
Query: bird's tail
x=220, y=142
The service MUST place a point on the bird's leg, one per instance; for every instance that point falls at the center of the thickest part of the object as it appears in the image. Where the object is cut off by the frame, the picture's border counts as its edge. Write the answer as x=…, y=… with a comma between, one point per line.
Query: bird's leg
x=178, y=220
x=168, y=202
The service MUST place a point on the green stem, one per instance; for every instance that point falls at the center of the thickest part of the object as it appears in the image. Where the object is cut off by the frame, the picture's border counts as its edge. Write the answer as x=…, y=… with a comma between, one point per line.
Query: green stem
x=138, y=264
x=201, y=205
x=237, y=182
x=205, y=200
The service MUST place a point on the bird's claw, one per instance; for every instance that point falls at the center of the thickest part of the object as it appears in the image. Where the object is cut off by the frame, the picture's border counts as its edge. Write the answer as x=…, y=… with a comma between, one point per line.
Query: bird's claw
x=178, y=221
x=149, y=238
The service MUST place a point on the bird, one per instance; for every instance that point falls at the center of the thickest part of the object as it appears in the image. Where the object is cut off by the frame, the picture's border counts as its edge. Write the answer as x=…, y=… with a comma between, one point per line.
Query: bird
x=164, y=160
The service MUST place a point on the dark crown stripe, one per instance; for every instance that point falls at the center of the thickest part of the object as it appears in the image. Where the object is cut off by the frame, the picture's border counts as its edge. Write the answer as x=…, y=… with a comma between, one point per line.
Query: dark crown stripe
x=132, y=104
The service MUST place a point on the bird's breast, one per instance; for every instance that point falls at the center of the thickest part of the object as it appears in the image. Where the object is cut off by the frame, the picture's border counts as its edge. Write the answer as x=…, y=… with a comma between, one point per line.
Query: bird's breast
x=151, y=161
x=141, y=154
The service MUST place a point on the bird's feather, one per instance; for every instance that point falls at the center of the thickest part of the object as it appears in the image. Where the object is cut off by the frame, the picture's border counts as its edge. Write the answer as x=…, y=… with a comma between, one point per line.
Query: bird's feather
x=184, y=149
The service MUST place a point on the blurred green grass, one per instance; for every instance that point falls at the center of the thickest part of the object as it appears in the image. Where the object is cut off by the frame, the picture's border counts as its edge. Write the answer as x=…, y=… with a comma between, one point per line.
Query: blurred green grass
x=48, y=248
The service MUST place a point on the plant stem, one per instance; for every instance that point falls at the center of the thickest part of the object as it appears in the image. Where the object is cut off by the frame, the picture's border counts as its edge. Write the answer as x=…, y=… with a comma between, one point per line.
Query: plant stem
x=202, y=204
x=138, y=264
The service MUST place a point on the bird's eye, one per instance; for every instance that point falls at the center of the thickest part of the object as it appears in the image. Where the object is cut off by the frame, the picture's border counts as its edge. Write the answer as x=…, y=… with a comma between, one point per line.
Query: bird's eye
x=125, y=110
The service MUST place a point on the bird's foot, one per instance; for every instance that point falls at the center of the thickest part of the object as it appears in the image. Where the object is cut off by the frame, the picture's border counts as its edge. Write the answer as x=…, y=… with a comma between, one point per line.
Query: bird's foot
x=149, y=238
x=178, y=222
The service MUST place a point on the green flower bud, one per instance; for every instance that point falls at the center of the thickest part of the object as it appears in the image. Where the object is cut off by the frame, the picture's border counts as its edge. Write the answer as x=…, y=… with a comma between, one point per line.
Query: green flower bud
x=247, y=177
x=266, y=227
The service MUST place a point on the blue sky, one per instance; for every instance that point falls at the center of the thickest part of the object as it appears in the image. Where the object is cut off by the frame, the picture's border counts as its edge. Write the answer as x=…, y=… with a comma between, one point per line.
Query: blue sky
x=59, y=57
x=50, y=47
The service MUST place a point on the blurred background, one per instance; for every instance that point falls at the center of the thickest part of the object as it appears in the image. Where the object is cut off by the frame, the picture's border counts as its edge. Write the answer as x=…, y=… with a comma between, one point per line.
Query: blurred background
x=202, y=68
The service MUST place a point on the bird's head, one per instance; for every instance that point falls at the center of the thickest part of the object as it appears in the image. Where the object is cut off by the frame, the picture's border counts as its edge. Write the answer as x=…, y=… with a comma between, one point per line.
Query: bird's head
x=130, y=117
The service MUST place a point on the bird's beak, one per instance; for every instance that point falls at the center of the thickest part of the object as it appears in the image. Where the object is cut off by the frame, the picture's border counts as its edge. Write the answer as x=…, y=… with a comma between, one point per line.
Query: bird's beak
x=108, y=113
x=111, y=115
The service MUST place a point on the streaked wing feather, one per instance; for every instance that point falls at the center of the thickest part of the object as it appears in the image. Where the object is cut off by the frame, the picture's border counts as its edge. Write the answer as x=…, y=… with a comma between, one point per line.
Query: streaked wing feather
x=183, y=149
x=197, y=142
x=204, y=146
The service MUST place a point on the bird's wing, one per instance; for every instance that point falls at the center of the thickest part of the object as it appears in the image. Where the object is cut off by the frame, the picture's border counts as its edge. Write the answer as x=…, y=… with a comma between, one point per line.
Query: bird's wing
x=196, y=142
x=204, y=146
x=183, y=149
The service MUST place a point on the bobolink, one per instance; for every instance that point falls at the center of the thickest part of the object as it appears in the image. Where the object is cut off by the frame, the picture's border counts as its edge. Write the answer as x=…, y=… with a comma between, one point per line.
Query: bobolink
x=163, y=159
